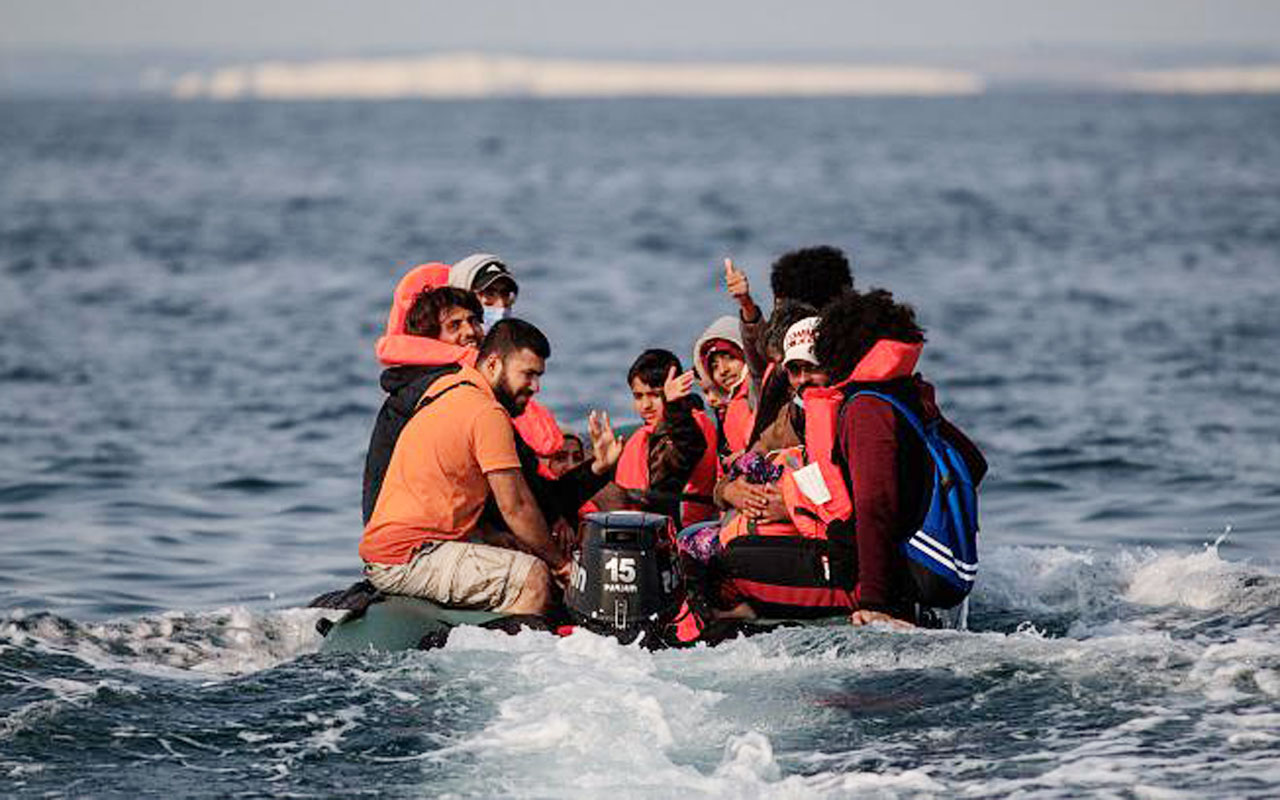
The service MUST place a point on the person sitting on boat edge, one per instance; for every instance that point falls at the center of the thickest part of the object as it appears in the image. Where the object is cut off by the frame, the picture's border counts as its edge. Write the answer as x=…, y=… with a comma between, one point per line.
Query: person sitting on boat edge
x=426, y=537
x=871, y=342
x=673, y=454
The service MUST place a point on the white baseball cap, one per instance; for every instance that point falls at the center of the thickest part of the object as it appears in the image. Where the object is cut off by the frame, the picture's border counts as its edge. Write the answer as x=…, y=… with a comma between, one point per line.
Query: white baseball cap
x=797, y=345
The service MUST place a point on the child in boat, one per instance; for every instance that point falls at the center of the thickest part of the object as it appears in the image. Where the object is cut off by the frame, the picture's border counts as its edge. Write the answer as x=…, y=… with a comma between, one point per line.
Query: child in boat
x=722, y=373
x=669, y=464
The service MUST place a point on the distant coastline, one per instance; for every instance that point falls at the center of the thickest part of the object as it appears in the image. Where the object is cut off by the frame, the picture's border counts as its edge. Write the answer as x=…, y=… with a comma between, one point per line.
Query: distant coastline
x=477, y=75
x=474, y=75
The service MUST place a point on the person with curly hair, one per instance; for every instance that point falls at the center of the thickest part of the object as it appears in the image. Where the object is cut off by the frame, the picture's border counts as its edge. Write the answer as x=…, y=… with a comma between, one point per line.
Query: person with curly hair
x=857, y=566
x=869, y=341
x=810, y=275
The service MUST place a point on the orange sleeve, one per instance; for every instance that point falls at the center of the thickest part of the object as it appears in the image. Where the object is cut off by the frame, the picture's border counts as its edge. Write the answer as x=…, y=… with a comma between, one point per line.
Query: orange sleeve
x=493, y=441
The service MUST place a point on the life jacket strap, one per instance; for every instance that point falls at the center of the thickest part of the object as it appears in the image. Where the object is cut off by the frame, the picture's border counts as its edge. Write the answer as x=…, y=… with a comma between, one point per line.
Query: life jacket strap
x=428, y=399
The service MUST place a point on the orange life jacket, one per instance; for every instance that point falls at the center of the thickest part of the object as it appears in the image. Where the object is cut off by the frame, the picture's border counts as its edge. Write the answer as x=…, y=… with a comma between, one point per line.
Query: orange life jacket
x=813, y=486
x=739, y=417
x=633, y=469
x=539, y=429
x=537, y=426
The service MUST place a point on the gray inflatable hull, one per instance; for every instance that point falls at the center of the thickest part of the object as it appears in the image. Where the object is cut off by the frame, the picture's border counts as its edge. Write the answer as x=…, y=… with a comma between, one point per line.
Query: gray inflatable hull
x=398, y=623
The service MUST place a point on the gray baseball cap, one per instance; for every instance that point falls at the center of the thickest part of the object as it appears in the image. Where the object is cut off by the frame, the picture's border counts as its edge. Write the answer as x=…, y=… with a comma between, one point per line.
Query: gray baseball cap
x=478, y=270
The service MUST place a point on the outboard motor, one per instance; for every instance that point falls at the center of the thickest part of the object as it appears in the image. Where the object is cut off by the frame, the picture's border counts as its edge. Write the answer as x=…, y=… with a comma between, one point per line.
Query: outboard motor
x=625, y=580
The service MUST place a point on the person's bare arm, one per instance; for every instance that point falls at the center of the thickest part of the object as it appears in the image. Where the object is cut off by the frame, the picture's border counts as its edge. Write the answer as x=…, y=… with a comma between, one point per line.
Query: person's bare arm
x=524, y=519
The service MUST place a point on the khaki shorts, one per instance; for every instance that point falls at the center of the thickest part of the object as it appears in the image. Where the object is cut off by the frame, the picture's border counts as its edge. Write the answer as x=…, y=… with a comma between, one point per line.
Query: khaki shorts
x=458, y=574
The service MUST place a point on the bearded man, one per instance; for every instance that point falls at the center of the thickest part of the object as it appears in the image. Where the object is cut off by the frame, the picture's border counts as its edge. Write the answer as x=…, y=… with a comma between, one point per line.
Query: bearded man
x=429, y=536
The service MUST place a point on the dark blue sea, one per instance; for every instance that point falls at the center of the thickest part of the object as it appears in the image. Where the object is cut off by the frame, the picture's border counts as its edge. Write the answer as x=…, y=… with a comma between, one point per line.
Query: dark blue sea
x=189, y=295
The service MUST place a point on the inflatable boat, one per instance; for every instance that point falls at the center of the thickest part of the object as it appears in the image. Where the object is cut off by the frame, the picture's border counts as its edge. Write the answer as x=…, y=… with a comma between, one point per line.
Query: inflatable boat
x=625, y=582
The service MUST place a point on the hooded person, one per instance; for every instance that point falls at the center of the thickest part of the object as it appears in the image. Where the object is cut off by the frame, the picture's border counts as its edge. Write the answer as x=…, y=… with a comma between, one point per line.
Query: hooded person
x=412, y=361
x=431, y=534
x=721, y=366
x=398, y=348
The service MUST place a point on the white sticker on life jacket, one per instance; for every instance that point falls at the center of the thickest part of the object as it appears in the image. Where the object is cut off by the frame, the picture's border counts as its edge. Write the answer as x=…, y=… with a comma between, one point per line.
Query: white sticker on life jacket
x=809, y=481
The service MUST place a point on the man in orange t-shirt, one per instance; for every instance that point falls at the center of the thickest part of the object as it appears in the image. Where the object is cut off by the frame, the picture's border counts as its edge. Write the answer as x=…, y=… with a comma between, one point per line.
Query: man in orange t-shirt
x=426, y=537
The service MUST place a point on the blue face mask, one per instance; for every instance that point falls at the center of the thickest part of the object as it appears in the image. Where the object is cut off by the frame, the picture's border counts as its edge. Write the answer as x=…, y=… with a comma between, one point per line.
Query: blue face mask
x=798, y=400
x=494, y=313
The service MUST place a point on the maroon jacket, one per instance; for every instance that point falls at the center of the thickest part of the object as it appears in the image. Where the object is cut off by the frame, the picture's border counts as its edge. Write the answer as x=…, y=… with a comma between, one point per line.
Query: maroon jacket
x=889, y=473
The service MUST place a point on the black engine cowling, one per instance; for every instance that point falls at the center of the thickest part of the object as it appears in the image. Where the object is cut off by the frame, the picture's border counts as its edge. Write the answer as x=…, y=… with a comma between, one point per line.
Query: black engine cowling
x=626, y=574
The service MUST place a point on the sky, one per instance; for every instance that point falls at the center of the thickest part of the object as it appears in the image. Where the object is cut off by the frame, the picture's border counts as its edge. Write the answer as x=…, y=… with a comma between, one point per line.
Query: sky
x=714, y=28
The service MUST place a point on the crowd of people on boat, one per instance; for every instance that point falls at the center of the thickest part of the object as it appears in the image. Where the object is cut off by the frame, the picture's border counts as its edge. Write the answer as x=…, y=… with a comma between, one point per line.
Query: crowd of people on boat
x=791, y=456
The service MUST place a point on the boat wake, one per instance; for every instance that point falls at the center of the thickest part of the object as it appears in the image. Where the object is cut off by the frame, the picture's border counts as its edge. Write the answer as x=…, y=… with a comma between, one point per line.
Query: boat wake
x=1084, y=671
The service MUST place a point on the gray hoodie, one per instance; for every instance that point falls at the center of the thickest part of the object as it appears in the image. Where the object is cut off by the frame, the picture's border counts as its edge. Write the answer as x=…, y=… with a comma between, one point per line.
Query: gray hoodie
x=726, y=328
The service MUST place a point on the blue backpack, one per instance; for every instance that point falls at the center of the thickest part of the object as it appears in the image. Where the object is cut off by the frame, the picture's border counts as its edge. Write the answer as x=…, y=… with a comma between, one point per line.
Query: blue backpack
x=943, y=554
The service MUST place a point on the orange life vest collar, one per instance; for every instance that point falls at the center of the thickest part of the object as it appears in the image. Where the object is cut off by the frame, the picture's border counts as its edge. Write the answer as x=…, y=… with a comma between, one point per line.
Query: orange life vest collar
x=395, y=347
x=403, y=349
x=739, y=417
x=886, y=360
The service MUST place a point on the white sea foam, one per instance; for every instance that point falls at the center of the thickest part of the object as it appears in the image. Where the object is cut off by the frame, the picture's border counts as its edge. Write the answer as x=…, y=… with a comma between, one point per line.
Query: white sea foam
x=232, y=641
x=1203, y=581
x=1052, y=580
x=588, y=715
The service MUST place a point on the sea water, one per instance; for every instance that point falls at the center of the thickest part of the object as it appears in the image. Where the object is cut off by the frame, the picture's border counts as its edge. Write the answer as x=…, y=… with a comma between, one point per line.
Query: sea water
x=190, y=297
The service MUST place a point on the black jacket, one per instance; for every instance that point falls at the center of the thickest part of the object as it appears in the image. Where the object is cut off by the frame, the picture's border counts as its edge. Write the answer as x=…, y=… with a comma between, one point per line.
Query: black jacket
x=404, y=387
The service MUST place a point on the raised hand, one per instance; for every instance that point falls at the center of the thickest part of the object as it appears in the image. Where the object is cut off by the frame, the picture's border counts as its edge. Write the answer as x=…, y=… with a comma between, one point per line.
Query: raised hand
x=739, y=288
x=677, y=386
x=735, y=282
x=605, y=445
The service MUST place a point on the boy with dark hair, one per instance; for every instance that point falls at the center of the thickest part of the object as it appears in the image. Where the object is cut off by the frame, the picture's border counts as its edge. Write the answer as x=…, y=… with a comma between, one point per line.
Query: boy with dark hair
x=813, y=275
x=673, y=452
